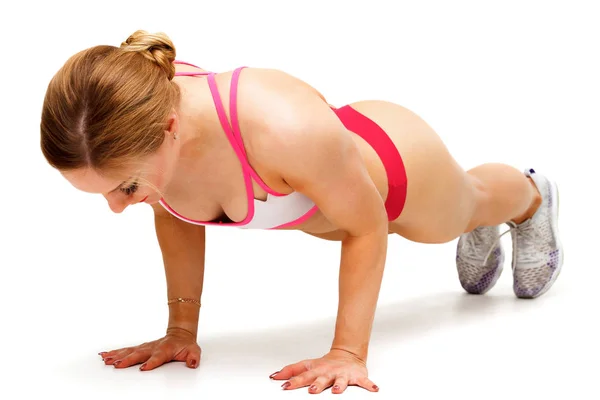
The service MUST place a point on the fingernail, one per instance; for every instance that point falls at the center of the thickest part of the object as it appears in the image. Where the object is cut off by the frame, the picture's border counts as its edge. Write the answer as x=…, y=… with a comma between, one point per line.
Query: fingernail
x=107, y=359
x=116, y=363
x=193, y=363
x=101, y=353
x=336, y=387
x=286, y=385
x=273, y=374
x=142, y=367
x=312, y=388
x=375, y=387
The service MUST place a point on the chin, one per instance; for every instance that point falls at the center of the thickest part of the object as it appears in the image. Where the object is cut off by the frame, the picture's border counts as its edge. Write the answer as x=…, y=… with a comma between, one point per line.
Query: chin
x=152, y=200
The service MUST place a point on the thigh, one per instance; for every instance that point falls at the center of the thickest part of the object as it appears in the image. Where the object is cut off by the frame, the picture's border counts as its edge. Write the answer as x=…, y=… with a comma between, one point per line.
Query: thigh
x=442, y=199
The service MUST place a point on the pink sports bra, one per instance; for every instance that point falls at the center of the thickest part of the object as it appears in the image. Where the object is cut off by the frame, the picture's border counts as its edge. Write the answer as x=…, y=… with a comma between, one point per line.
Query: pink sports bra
x=279, y=210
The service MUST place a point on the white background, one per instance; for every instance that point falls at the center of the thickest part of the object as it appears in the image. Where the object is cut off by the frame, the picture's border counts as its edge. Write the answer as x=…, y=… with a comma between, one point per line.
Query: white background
x=511, y=81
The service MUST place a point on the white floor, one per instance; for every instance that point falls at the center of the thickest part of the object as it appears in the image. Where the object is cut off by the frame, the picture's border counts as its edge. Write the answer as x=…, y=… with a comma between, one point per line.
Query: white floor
x=516, y=82
x=430, y=339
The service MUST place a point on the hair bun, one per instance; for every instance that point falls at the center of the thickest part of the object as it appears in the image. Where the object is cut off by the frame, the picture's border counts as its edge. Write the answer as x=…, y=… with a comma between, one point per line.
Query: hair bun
x=156, y=47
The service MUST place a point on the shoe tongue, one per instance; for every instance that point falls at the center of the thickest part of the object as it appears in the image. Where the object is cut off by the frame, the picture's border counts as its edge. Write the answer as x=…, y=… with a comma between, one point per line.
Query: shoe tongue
x=539, y=181
x=525, y=223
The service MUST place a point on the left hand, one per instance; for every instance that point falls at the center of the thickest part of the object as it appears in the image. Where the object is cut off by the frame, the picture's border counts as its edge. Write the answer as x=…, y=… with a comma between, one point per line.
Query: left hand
x=337, y=368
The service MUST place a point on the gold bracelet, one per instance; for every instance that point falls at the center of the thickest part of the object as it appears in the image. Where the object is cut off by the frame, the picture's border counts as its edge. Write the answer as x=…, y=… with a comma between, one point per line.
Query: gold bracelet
x=183, y=300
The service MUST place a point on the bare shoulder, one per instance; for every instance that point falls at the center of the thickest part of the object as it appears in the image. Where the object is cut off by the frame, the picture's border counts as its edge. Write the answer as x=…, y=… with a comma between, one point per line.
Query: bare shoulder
x=277, y=81
x=284, y=116
x=300, y=140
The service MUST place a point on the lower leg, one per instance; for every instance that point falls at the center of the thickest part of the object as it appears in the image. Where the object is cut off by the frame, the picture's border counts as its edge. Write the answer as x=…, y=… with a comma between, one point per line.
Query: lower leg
x=508, y=195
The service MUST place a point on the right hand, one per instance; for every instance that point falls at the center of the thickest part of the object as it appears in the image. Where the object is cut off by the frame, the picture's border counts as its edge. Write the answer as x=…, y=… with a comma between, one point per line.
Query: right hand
x=177, y=345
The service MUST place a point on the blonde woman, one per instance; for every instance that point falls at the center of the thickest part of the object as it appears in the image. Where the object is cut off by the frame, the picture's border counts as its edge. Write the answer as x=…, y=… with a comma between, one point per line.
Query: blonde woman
x=258, y=148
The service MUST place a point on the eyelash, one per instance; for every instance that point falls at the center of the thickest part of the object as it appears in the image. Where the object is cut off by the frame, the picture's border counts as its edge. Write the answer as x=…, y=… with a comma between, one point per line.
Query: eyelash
x=131, y=189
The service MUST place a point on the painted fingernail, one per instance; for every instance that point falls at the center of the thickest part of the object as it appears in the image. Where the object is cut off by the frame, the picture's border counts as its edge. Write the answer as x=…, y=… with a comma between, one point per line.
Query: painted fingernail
x=107, y=359
x=375, y=387
x=116, y=363
x=286, y=385
x=312, y=388
x=143, y=367
x=273, y=374
x=102, y=353
x=193, y=363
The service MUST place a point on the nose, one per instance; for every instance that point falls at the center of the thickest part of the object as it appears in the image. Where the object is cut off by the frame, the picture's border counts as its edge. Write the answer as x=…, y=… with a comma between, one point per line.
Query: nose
x=116, y=204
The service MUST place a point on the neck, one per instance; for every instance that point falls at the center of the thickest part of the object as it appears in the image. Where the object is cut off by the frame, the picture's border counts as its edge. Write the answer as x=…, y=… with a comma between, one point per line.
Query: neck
x=200, y=136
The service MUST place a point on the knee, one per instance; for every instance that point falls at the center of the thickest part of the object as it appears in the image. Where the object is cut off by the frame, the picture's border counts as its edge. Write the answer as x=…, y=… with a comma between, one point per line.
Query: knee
x=478, y=204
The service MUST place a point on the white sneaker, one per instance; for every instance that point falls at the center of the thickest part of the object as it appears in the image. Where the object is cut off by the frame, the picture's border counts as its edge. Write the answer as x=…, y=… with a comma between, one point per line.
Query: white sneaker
x=537, y=250
x=479, y=259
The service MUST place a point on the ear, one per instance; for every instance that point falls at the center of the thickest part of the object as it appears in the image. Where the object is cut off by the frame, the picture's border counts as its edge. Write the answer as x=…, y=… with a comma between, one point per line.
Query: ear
x=172, y=124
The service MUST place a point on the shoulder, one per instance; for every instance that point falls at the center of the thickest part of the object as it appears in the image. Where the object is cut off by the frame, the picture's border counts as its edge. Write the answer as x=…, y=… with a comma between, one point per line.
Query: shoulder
x=284, y=115
x=302, y=142
x=293, y=132
x=276, y=96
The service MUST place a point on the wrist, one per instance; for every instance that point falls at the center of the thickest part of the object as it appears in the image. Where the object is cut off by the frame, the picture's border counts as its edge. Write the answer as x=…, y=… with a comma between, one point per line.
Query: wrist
x=343, y=343
x=345, y=352
x=178, y=331
x=184, y=317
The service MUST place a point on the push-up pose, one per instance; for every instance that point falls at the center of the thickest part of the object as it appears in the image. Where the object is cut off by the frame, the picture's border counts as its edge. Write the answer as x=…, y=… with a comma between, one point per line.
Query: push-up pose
x=258, y=148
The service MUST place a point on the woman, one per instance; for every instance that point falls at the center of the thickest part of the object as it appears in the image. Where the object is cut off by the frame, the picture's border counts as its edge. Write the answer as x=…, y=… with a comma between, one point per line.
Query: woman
x=258, y=148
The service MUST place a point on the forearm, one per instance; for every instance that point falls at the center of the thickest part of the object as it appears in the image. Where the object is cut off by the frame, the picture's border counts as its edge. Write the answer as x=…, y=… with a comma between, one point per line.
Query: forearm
x=183, y=249
x=361, y=271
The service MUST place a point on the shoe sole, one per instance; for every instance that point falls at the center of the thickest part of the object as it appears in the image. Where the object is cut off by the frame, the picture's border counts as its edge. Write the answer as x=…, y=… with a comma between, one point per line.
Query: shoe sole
x=555, y=213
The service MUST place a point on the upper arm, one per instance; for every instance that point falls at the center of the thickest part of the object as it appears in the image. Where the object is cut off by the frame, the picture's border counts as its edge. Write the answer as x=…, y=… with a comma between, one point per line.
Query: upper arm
x=306, y=145
x=175, y=235
x=159, y=211
x=164, y=218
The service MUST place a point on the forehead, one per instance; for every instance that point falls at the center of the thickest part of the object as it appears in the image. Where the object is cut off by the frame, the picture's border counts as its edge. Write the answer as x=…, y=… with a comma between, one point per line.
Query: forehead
x=90, y=181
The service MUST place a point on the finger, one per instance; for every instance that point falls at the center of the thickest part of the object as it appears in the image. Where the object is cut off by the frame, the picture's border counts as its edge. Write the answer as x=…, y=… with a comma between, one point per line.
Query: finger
x=340, y=384
x=302, y=380
x=291, y=370
x=321, y=383
x=366, y=383
x=136, y=357
x=118, y=356
x=105, y=354
x=108, y=355
x=113, y=353
x=193, y=358
x=158, y=358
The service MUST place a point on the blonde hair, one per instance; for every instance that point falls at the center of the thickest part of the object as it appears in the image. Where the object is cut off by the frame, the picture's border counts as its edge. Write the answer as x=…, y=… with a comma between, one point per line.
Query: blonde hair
x=108, y=106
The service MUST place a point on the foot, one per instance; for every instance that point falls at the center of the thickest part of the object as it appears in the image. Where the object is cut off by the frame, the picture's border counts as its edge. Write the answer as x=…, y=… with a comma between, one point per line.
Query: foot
x=537, y=250
x=479, y=259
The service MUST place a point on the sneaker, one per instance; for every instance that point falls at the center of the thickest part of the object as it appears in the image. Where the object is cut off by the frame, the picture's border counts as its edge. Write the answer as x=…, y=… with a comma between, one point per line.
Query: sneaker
x=537, y=250
x=479, y=259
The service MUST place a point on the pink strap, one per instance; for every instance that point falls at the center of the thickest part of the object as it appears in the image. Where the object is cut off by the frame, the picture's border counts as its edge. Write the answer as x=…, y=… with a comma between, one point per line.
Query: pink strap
x=237, y=133
x=189, y=73
x=229, y=133
x=185, y=63
x=232, y=131
x=235, y=78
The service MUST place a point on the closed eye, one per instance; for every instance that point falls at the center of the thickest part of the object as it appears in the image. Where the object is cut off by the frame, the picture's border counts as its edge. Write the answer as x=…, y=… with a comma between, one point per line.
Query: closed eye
x=131, y=189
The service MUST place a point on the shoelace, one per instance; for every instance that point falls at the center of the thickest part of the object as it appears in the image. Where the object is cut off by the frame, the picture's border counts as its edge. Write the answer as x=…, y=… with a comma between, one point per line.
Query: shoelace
x=477, y=237
x=489, y=253
x=527, y=234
